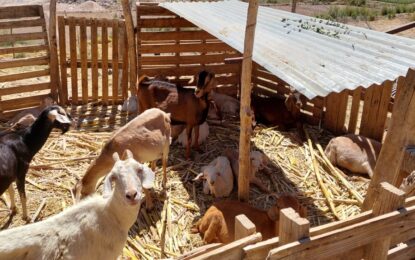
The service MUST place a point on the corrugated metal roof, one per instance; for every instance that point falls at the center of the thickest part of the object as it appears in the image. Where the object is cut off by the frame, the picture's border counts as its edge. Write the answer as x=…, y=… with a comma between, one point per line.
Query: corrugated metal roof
x=314, y=56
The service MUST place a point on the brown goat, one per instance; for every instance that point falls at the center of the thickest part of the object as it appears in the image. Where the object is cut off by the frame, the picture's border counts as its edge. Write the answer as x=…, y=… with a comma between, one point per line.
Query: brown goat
x=148, y=138
x=187, y=106
x=284, y=112
x=217, y=225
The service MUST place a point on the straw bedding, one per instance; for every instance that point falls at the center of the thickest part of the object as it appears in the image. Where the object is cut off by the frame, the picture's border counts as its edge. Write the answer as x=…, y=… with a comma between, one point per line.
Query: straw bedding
x=64, y=159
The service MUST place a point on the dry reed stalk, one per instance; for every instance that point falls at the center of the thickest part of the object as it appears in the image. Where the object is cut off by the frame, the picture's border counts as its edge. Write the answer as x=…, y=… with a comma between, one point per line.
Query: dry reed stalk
x=32, y=182
x=163, y=229
x=39, y=209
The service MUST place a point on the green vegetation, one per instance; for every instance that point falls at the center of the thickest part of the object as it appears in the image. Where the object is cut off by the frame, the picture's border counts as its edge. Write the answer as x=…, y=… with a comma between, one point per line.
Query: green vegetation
x=398, y=1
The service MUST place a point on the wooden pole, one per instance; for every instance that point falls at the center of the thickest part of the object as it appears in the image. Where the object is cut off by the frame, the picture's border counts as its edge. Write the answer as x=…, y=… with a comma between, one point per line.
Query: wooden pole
x=132, y=55
x=293, y=6
x=400, y=134
x=246, y=112
x=53, y=45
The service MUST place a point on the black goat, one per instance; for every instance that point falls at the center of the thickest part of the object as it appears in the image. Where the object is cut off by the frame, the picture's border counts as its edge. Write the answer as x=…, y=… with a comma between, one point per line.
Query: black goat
x=17, y=148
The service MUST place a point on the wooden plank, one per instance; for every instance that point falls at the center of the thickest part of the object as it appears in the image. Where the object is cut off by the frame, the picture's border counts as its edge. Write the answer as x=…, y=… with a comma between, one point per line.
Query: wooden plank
x=84, y=57
x=390, y=199
x=23, y=37
x=53, y=52
x=24, y=75
x=18, y=103
x=373, y=111
x=114, y=62
x=330, y=114
x=189, y=59
x=166, y=36
x=401, y=28
x=364, y=124
x=400, y=132
x=132, y=54
x=163, y=23
x=21, y=49
x=243, y=227
x=94, y=57
x=14, y=63
x=271, y=85
x=98, y=21
x=341, y=112
x=267, y=75
x=199, y=251
x=344, y=239
x=89, y=63
x=146, y=10
x=24, y=88
x=190, y=70
x=73, y=55
x=354, y=111
x=382, y=114
x=232, y=250
x=125, y=74
x=22, y=23
x=62, y=61
x=182, y=47
x=104, y=44
x=19, y=11
x=292, y=227
x=404, y=251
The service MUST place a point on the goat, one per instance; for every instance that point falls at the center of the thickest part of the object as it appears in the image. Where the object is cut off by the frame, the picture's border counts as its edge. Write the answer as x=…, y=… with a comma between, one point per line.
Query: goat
x=355, y=153
x=284, y=112
x=224, y=104
x=147, y=136
x=218, y=177
x=187, y=106
x=28, y=116
x=217, y=225
x=203, y=134
x=258, y=162
x=17, y=148
x=96, y=228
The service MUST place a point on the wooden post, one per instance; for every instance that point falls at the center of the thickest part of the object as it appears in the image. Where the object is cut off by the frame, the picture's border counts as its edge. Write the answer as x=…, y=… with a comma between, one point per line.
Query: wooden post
x=293, y=5
x=246, y=112
x=390, y=198
x=401, y=132
x=243, y=227
x=132, y=56
x=292, y=227
x=53, y=45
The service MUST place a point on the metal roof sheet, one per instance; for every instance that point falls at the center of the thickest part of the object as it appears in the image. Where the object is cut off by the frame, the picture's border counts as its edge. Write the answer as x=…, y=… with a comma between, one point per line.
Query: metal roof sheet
x=313, y=55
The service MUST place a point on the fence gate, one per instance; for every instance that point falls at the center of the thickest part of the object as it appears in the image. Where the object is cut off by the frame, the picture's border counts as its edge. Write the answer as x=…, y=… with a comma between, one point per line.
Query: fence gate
x=93, y=58
x=24, y=58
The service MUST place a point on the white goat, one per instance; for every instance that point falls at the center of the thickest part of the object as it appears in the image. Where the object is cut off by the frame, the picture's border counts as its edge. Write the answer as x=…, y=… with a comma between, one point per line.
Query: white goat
x=354, y=152
x=218, y=177
x=96, y=228
x=203, y=134
x=225, y=104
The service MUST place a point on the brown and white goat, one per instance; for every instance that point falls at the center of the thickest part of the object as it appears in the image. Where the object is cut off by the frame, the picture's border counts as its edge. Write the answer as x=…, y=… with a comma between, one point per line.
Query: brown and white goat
x=26, y=117
x=217, y=225
x=284, y=112
x=187, y=106
x=259, y=161
x=148, y=138
x=355, y=153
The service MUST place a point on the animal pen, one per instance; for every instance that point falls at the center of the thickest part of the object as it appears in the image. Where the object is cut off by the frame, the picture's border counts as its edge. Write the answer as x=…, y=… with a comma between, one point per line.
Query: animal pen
x=178, y=40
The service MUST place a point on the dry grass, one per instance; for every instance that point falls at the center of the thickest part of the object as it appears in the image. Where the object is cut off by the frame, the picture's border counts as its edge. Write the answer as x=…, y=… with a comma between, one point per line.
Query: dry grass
x=64, y=158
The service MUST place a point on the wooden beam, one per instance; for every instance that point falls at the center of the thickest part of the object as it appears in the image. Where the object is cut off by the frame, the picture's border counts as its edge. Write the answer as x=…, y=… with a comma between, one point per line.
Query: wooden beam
x=20, y=49
x=24, y=75
x=63, y=92
x=14, y=63
x=243, y=227
x=401, y=131
x=23, y=37
x=24, y=88
x=292, y=227
x=245, y=110
x=22, y=23
x=19, y=11
x=401, y=28
x=404, y=251
x=132, y=55
x=199, y=251
x=408, y=164
x=53, y=47
x=390, y=199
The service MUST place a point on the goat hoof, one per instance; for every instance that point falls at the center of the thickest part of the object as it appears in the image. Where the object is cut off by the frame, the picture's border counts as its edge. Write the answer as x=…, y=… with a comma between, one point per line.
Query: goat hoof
x=26, y=218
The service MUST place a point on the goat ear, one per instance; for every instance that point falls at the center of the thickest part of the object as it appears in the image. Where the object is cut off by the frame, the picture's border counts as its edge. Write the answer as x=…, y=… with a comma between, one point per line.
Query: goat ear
x=115, y=156
x=148, y=178
x=107, y=189
x=54, y=115
x=128, y=154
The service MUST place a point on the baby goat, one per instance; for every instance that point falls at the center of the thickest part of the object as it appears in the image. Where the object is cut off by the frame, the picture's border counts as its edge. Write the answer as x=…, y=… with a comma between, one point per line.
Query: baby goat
x=203, y=134
x=17, y=148
x=147, y=136
x=218, y=223
x=354, y=152
x=187, y=106
x=96, y=228
x=218, y=177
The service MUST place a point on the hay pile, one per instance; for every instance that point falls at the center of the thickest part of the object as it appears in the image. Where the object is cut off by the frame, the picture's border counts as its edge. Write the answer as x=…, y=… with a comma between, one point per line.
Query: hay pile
x=64, y=159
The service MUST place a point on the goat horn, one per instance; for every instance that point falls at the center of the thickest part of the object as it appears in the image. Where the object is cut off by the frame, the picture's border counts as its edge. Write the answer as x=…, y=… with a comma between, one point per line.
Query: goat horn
x=115, y=156
x=129, y=154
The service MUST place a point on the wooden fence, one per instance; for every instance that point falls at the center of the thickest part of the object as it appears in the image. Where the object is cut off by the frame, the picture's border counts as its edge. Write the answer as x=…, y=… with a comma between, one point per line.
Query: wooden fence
x=24, y=58
x=375, y=234
x=171, y=46
x=93, y=53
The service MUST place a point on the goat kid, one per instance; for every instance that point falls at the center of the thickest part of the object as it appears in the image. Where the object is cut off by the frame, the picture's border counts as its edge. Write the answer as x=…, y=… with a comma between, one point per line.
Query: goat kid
x=96, y=228
x=17, y=148
x=203, y=134
x=187, y=106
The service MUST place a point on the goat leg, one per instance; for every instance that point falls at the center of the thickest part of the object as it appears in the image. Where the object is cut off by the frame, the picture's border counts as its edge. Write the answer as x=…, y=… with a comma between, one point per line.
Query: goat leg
x=149, y=199
x=153, y=165
x=164, y=162
x=22, y=193
x=189, y=140
x=196, y=144
x=12, y=205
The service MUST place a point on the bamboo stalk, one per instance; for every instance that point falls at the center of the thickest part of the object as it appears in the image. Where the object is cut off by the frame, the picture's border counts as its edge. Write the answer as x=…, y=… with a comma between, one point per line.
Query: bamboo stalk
x=319, y=179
